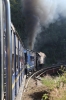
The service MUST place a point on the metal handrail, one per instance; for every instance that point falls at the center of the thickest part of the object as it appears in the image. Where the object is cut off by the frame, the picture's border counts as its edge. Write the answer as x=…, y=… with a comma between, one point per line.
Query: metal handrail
x=1, y=51
x=8, y=44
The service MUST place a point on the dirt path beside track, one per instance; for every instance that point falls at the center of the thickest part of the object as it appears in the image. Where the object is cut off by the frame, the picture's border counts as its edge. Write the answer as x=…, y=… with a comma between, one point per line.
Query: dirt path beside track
x=34, y=91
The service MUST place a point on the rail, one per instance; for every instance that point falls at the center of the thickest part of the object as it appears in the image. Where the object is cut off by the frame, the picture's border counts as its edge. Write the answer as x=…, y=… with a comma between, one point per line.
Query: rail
x=38, y=73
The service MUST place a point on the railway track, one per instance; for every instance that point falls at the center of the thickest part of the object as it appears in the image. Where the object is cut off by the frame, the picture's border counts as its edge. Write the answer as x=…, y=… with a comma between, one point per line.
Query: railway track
x=39, y=73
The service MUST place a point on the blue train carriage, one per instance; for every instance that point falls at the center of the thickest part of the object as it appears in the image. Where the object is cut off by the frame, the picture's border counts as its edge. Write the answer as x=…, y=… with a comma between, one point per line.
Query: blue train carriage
x=18, y=59
x=30, y=58
x=11, y=70
x=21, y=63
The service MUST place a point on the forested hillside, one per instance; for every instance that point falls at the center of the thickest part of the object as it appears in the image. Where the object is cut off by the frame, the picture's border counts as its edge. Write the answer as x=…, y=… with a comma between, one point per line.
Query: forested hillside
x=18, y=18
x=51, y=41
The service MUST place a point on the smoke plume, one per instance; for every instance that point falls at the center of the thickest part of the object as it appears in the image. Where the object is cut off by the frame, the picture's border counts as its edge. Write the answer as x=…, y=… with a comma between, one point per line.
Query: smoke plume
x=41, y=13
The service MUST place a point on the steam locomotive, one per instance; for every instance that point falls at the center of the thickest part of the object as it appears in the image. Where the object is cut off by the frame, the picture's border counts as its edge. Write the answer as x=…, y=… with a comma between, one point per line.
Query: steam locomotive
x=15, y=60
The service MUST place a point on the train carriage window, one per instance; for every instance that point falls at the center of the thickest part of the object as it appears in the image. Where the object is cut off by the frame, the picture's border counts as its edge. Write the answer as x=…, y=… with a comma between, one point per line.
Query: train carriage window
x=17, y=62
x=13, y=67
x=12, y=63
x=16, y=53
x=20, y=55
x=32, y=58
x=20, y=62
x=25, y=58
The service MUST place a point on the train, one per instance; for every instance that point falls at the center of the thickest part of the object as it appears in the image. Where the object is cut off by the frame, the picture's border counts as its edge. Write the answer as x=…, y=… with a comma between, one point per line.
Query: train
x=15, y=60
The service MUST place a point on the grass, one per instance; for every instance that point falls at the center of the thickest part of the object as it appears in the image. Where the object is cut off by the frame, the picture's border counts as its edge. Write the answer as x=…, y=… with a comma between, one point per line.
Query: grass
x=57, y=92
x=48, y=82
x=61, y=96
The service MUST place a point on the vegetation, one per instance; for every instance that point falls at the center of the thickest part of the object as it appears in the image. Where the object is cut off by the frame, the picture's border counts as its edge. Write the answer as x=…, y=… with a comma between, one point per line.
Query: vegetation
x=56, y=86
x=48, y=82
x=18, y=18
x=53, y=42
x=62, y=78
x=45, y=97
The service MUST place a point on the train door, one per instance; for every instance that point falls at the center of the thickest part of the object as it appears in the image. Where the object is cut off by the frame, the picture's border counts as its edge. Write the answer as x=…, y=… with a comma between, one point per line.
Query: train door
x=17, y=70
x=20, y=64
x=13, y=67
x=23, y=64
x=16, y=64
x=21, y=61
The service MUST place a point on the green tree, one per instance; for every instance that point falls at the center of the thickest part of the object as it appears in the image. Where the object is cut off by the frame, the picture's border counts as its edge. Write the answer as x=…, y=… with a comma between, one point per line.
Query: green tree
x=17, y=17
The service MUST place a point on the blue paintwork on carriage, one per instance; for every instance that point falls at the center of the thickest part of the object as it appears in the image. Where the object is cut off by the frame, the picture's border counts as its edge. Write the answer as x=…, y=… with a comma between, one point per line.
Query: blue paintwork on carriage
x=25, y=51
x=31, y=64
x=20, y=76
x=17, y=82
x=28, y=56
x=28, y=60
x=13, y=86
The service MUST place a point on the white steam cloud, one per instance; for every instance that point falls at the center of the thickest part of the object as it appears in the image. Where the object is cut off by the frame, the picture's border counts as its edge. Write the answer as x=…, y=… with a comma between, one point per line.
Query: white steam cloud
x=42, y=13
x=49, y=11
